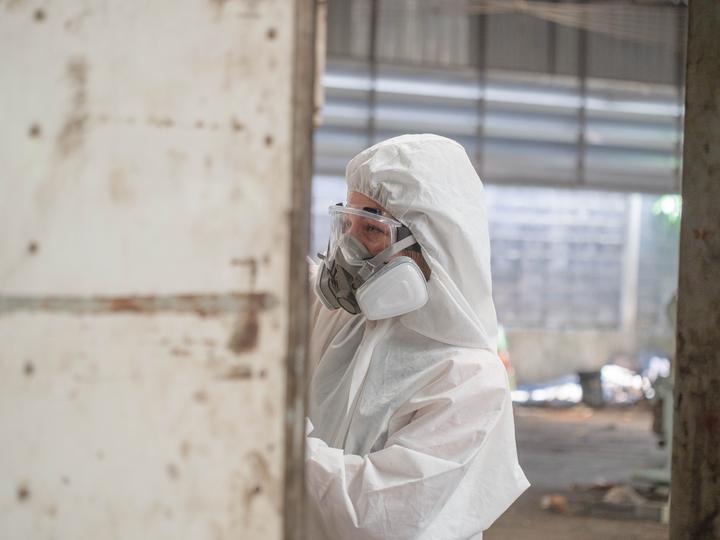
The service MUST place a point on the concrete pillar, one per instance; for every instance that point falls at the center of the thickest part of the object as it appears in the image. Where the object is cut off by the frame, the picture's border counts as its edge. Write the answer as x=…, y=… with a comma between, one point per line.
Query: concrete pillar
x=695, y=507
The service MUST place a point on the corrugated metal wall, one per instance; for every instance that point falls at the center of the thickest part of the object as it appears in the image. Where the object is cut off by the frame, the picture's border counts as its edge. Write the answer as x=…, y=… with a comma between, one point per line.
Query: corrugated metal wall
x=594, y=102
x=518, y=128
x=630, y=41
x=146, y=184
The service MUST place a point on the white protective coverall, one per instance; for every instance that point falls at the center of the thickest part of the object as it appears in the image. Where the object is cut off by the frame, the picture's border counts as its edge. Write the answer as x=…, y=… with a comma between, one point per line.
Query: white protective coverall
x=413, y=435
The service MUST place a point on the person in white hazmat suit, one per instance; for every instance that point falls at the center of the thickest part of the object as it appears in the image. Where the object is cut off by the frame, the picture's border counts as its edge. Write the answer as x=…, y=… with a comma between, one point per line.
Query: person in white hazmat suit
x=410, y=430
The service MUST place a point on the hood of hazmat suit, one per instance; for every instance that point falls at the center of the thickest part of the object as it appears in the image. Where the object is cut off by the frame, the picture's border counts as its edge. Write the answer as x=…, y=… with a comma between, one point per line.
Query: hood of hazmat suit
x=412, y=427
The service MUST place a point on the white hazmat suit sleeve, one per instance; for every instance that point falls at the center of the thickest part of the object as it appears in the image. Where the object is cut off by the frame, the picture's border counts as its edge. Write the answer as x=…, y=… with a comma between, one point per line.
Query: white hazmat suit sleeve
x=396, y=493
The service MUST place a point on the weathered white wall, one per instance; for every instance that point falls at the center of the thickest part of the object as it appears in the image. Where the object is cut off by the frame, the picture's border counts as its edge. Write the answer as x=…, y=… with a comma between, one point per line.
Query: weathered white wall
x=145, y=196
x=542, y=355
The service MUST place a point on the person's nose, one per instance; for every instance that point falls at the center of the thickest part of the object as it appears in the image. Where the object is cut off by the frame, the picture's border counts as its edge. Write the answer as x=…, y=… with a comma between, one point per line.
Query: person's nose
x=355, y=228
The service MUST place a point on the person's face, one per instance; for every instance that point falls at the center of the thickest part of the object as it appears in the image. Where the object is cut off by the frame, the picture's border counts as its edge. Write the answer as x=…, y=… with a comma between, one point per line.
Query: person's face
x=373, y=235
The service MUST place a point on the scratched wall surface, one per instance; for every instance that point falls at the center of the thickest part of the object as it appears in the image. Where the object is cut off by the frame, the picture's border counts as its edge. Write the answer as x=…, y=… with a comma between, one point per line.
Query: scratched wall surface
x=145, y=192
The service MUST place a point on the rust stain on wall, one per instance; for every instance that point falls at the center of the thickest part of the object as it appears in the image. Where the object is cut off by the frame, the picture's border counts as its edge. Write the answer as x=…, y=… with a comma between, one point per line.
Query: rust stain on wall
x=247, y=329
x=202, y=305
x=262, y=479
x=28, y=369
x=200, y=396
x=23, y=493
x=185, y=449
x=702, y=233
x=173, y=471
x=252, y=266
x=260, y=467
x=254, y=481
x=120, y=191
x=12, y=4
x=238, y=373
x=72, y=135
x=712, y=421
x=236, y=124
x=74, y=23
x=233, y=124
x=161, y=122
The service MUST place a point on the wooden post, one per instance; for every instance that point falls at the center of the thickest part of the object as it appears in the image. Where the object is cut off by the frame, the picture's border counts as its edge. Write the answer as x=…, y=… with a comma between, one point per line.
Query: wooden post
x=695, y=507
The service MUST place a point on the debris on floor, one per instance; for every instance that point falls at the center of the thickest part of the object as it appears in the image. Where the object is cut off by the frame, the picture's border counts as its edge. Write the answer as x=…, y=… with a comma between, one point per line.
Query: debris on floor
x=623, y=495
x=616, y=502
x=577, y=456
x=554, y=503
x=611, y=384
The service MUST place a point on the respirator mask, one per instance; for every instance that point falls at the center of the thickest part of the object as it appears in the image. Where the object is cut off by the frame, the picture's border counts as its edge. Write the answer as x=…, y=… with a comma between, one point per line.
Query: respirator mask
x=362, y=272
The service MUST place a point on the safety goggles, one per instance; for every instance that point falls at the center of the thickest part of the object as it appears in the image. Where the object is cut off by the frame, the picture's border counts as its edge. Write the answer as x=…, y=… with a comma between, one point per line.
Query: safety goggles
x=361, y=233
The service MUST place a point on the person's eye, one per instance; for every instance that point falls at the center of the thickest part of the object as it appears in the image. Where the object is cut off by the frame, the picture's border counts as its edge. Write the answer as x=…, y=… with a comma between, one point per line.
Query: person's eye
x=373, y=229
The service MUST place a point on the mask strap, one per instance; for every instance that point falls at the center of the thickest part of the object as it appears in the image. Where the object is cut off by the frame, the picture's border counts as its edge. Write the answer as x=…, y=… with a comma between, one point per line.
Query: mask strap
x=372, y=264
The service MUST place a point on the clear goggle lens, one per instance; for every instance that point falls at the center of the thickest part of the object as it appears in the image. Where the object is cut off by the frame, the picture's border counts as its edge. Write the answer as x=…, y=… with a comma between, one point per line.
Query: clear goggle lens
x=360, y=233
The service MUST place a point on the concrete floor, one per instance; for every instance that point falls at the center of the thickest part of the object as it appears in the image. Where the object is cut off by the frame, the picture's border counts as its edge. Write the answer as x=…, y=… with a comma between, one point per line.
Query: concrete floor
x=561, y=450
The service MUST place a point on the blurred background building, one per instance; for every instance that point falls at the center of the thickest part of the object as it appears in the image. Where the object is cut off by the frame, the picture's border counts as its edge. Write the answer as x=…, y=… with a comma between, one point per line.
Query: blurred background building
x=572, y=115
